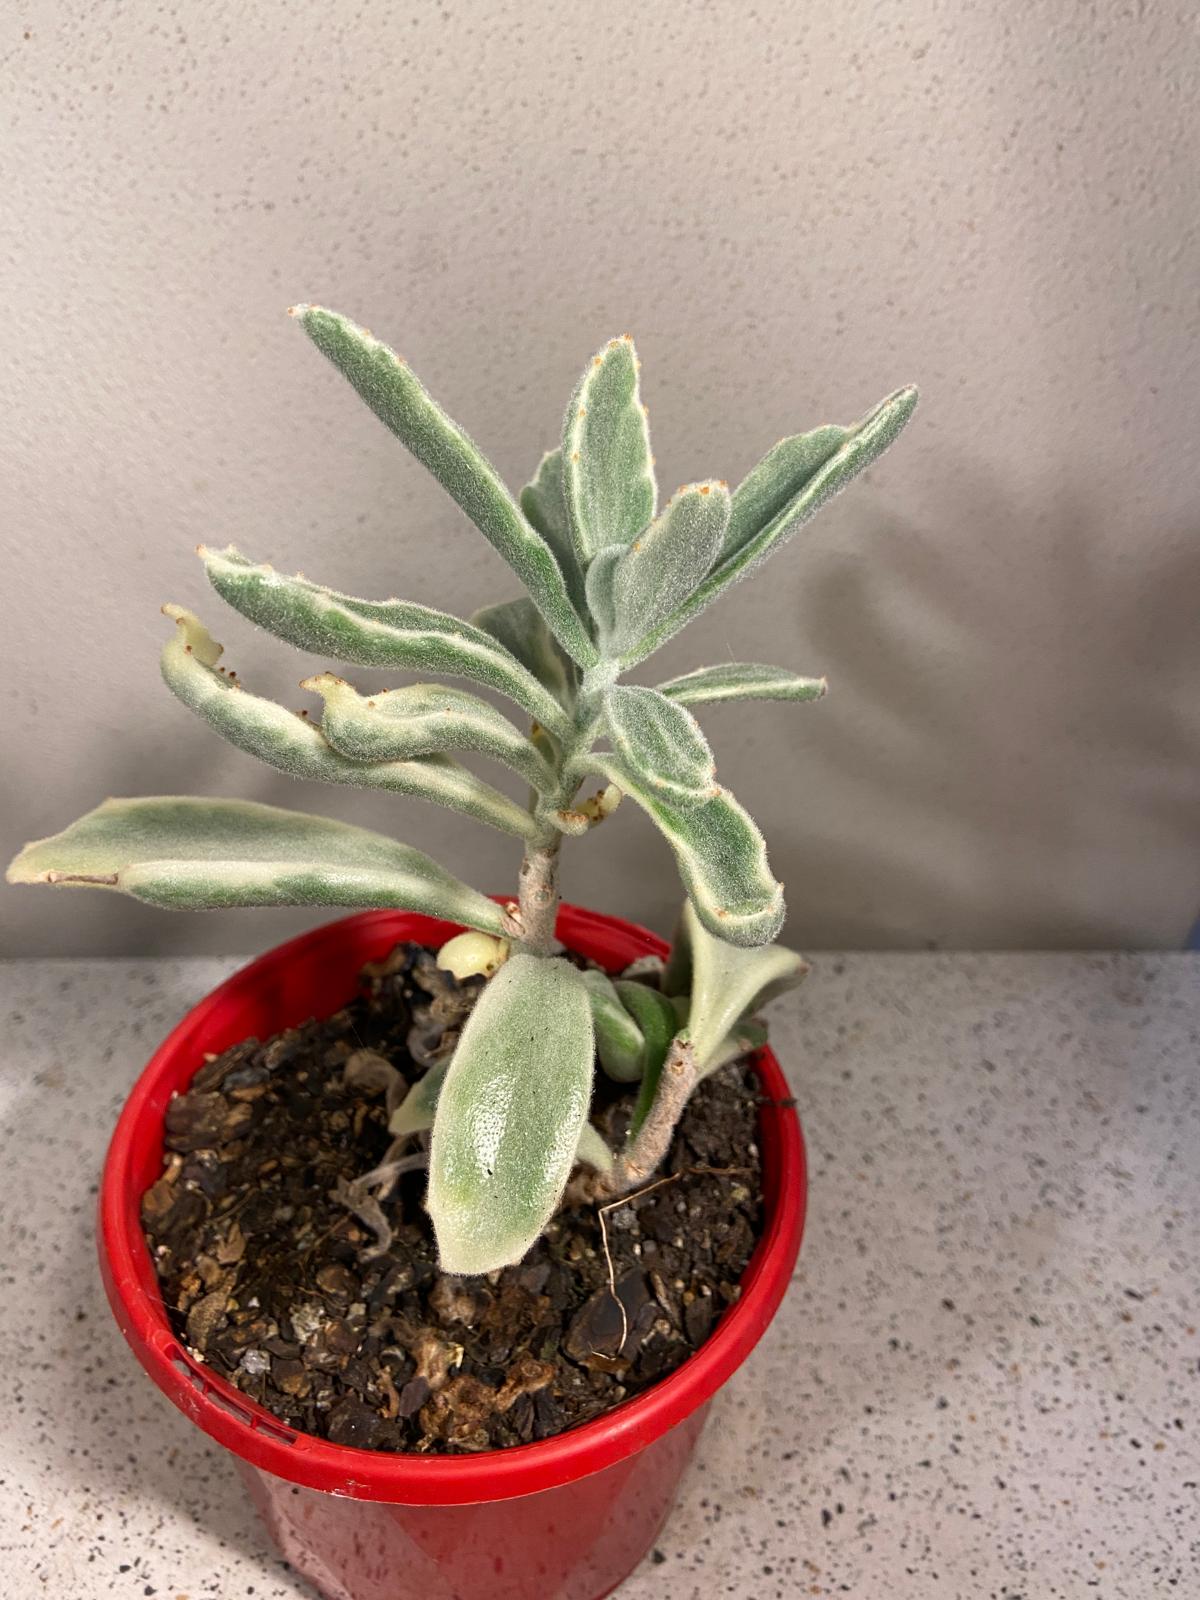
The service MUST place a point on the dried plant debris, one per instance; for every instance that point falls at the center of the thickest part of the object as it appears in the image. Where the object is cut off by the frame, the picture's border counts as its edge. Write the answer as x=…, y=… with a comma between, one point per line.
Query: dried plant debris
x=282, y=1289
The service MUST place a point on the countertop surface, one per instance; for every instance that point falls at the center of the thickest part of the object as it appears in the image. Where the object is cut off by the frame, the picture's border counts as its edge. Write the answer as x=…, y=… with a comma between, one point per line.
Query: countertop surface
x=982, y=1385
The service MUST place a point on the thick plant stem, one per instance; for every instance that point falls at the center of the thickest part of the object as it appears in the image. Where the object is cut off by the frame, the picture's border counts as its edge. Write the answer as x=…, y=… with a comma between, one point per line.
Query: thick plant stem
x=539, y=897
x=639, y=1162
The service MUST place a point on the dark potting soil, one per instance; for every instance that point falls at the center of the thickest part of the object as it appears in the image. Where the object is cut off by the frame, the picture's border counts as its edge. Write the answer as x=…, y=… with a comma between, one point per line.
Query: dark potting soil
x=313, y=1311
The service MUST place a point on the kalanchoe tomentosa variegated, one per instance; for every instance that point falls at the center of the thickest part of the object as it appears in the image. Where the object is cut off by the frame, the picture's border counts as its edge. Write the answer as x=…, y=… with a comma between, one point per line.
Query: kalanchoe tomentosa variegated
x=609, y=577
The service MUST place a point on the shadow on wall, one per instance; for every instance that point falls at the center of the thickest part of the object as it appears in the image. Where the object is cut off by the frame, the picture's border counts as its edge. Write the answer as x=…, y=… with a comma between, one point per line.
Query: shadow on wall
x=970, y=797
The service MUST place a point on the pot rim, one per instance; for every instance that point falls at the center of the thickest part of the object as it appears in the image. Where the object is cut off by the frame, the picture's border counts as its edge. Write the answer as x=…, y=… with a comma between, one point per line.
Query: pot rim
x=257, y=1436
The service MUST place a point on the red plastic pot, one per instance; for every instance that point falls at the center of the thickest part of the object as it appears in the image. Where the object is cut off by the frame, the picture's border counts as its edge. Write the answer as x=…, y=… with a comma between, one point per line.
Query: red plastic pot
x=565, y=1519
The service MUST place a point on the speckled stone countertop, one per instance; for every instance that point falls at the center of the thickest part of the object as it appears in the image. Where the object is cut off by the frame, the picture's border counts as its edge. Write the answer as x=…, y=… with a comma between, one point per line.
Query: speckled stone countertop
x=982, y=1386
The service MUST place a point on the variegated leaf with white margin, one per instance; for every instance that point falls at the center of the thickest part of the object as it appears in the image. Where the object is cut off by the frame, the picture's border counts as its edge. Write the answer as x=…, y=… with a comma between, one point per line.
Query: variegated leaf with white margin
x=517, y=625
x=662, y=742
x=727, y=985
x=607, y=469
x=619, y=1041
x=720, y=854
x=663, y=566
x=376, y=633
x=807, y=491
x=510, y=1114
x=741, y=680
x=544, y=504
x=423, y=719
x=397, y=397
x=187, y=853
x=285, y=740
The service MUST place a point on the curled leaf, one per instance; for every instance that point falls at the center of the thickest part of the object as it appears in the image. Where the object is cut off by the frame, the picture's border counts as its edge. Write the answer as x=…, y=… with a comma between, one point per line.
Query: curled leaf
x=376, y=633
x=720, y=855
x=286, y=741
x=423, y=719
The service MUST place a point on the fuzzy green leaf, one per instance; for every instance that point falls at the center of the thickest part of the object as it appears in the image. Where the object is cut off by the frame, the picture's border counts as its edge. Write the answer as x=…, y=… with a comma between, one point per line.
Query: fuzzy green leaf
x=401, y=403
x=607, y=471
x=662, y=743
x=746, y=1036
x=416, y=1111
x=619, y=1042
x=651, y=1010
x=660, y=1022
x=517, y=626
x=741, y=680
x=285, y=740
x=545, y=506
x=677, y=969
x=720, y=855
x=192, y=854
x=593, y=1151
x=601, y=599
x=419, y=720
x=662, y=568
x=510, y=1114
x=727, y=984
x=376, y=633
x=863, y=444
x=655, y=1016
x=781, y=474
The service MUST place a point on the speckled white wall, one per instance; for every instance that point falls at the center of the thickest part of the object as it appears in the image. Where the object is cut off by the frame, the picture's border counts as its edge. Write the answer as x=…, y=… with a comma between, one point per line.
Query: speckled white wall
x=795, y=210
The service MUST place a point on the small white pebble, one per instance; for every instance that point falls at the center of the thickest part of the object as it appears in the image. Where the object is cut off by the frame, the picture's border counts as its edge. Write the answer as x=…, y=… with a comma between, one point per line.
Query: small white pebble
x=307, y=1321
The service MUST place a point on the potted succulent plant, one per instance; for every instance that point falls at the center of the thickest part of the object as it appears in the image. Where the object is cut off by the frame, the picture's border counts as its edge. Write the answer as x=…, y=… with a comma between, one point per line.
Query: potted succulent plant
x=455, y=1298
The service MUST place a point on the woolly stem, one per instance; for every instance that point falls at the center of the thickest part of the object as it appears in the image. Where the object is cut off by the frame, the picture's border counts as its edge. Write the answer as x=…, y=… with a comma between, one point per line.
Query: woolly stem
x=642, y=1158
x=539, y=897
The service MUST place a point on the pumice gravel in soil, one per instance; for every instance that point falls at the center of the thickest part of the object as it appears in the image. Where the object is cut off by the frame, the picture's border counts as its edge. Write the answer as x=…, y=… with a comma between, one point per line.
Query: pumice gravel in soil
x=326, y=1305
